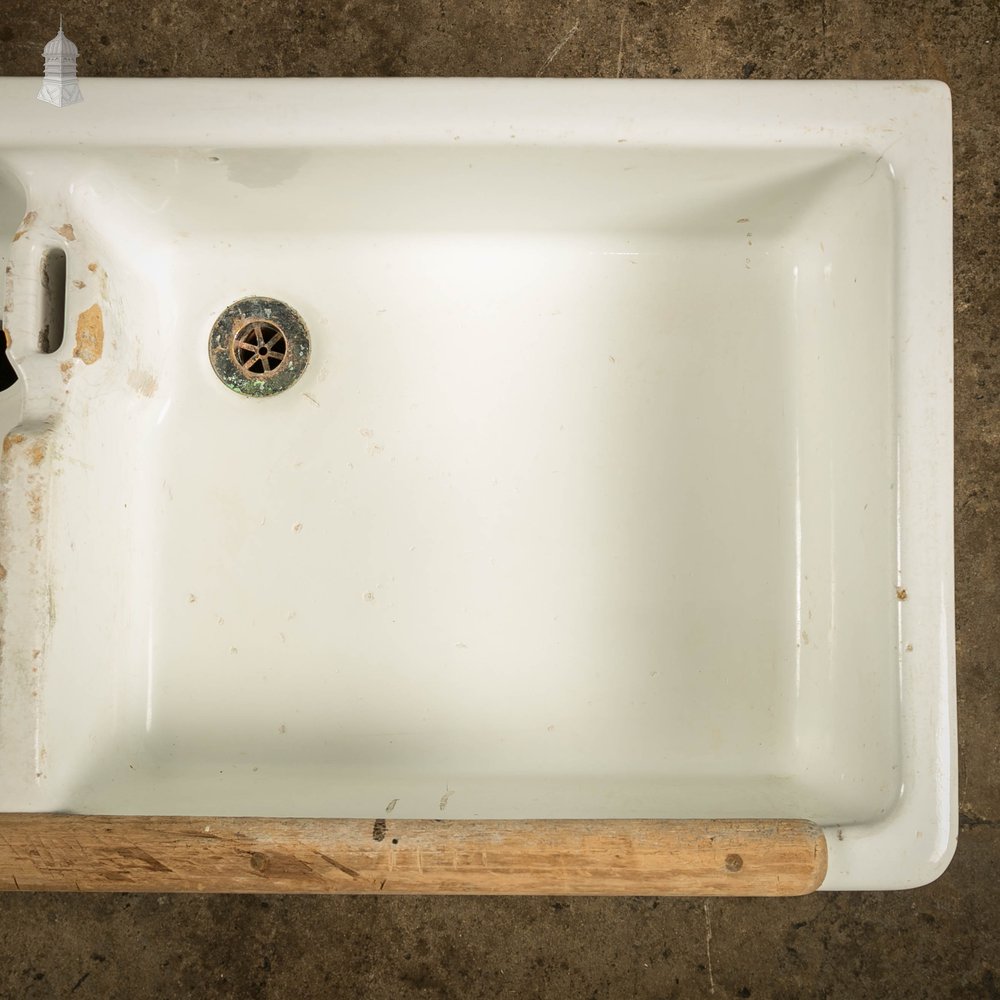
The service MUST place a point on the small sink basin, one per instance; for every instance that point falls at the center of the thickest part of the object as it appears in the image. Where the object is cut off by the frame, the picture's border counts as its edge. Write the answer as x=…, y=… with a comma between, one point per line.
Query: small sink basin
x=608, y=474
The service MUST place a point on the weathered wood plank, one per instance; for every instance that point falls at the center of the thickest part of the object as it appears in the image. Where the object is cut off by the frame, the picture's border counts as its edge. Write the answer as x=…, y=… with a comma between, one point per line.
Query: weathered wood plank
x=572, y=857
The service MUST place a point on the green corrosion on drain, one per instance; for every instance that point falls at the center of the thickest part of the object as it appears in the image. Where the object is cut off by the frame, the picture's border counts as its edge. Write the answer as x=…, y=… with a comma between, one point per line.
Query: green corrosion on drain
x=259, y=346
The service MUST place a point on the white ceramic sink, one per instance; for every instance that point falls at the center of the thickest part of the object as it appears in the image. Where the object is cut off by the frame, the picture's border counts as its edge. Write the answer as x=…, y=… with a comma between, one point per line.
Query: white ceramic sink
x=618, y=483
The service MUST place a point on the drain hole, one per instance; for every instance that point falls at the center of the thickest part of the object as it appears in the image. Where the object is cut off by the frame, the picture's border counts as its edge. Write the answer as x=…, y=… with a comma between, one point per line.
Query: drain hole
x=259, y=346
x=50, y=337
x=260, y=349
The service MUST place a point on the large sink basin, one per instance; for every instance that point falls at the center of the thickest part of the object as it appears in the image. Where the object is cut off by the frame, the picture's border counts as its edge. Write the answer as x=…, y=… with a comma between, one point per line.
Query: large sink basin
x=617, y=484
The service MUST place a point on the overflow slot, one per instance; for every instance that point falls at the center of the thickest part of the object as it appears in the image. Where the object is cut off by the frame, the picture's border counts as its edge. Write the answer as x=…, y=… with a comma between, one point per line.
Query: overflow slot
x=50, y=336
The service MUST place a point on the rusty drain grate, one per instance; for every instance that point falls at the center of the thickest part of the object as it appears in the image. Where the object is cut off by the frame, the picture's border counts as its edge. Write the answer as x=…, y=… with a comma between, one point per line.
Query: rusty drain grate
x=259, y=346
x=260, y=349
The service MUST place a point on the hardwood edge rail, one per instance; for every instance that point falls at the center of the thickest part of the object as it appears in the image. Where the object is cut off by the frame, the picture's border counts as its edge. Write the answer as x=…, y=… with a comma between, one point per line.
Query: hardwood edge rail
x=690, y=857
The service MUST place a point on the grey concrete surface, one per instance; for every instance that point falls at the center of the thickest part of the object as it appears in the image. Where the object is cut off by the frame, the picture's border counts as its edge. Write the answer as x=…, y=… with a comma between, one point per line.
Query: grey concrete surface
x=939, y=942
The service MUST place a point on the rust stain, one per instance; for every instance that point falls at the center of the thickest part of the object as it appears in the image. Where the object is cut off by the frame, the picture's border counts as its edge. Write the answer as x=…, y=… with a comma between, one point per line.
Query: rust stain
x=77, y=283
x=65, y=231
x=901, y=593
x=143, y=383
x=10, y=440
x=92, y=266
x=67, y=370
x=89, y=335
x=36, y=453
x=35, y=503
x=26, y=223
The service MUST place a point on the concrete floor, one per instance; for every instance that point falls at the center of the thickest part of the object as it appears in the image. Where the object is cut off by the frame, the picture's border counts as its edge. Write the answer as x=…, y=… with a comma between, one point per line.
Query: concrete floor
x=941, y=941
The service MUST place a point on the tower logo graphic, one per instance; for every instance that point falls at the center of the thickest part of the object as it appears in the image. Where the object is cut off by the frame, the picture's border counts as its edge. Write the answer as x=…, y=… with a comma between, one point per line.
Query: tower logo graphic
x=60, y=86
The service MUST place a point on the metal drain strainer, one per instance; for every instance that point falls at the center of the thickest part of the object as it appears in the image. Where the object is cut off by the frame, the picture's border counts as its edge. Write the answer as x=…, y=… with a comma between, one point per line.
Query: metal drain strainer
x=259, y=346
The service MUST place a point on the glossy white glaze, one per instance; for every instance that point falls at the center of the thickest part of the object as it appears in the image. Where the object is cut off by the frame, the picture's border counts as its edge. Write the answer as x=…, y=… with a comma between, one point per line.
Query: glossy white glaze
x=628, y=424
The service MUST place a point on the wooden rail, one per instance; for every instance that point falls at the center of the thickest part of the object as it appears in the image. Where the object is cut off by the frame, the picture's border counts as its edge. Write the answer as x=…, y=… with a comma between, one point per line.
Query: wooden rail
x=515, y=857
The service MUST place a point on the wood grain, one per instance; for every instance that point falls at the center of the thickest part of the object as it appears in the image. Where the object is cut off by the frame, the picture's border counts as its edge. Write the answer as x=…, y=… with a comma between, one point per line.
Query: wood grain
x=509, y=857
